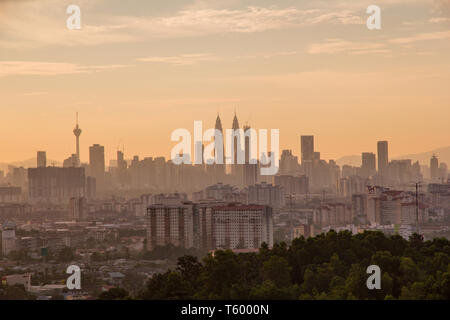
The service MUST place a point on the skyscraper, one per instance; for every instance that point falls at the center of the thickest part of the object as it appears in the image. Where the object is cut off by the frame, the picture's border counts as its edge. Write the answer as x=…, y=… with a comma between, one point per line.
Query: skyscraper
x=121, y=168
x=383, y=158
x=77, y=133
x=97, y=165
x=368, y=167
x=434, y=168
x=307, y=148
x=219, y=168
x=237, y=168
x=250, y=170
x=41, y=159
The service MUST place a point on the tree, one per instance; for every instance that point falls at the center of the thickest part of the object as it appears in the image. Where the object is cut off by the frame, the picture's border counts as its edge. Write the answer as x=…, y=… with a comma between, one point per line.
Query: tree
x=278, y=271
x=114, y=294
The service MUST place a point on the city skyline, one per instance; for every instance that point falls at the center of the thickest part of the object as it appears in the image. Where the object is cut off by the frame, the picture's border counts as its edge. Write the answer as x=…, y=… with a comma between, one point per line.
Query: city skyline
x=136, y=73
x=345, y=159
x=225, y=150
x=112, y=153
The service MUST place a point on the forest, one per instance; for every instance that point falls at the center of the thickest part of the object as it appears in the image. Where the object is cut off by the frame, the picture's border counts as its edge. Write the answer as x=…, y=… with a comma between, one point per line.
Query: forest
x=329, y=266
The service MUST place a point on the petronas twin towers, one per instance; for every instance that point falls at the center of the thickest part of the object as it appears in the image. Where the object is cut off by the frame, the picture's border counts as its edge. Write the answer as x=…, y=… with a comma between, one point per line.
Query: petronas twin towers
x=236, y=169
x=236, y=143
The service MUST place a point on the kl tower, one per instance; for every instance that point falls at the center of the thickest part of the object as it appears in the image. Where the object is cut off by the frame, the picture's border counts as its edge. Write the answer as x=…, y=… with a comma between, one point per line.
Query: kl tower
x=77, y=133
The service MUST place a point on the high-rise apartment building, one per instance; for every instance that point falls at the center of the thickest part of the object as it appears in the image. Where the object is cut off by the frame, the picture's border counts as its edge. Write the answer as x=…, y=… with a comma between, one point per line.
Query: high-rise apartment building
x=55, y=185
x=170, y=224
x=234, y=226
x=8, y=237
x=209, y=226
x=266, y=194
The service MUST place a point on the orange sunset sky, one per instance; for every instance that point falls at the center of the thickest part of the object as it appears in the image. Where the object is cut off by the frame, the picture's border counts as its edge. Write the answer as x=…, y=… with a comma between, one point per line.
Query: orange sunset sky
x=137, y=70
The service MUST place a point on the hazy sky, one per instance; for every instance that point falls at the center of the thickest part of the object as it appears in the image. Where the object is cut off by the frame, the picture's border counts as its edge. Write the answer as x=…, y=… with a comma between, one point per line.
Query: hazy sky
x=139, y=69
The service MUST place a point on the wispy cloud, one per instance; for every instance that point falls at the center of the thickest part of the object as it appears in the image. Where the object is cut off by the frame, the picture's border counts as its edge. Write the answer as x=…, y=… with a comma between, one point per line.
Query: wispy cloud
x=181, y=60
x=439, y=35
x=9, y=68
x=332, y=46
x=439, y=20
x=190, y=59
x=18, y=27
x=37, y=93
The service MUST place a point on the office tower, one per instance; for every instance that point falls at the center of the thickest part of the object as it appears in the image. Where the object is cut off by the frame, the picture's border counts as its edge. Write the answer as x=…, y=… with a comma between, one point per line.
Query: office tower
x=307, y=148
x=236, y=144
x=55, y=185
x=8, y=237
x=443, y=172
x=368, y=167
x=250, y=170
x=383, y=159
x=434, y=168
x=121, y=168
x=170, y=224
x=307, y=154
x=97, y=165
x=219, y=169
x=237, y=168
x=77, y=133
x=41, y=159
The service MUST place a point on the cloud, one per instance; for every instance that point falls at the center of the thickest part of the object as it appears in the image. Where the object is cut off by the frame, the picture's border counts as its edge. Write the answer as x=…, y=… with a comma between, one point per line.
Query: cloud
x=438, y=35
x=439, y=20
x=37, y=93
x=29, y=24
x=332, y=46
x=442, y=6
x=190, y=59
x=181, y=60
x=344, y=17
x=18, y=68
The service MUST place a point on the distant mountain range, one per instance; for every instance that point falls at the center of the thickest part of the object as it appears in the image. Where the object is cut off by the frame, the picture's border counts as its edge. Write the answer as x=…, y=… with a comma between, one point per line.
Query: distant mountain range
x=443, y=155
x=30, y=163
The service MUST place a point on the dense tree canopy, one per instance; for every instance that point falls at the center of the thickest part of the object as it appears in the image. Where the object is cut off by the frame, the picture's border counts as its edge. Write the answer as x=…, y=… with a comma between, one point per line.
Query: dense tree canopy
x=328, y=266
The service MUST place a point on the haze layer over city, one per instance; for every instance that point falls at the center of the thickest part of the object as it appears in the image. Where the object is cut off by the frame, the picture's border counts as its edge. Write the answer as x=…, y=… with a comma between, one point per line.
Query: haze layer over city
x=134, y=153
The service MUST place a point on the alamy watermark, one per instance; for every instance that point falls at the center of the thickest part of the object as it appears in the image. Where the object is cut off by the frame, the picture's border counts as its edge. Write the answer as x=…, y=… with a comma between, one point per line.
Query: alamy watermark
x=374, y=20
x=74, y=280
x=374, y=281
x=74, y=20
